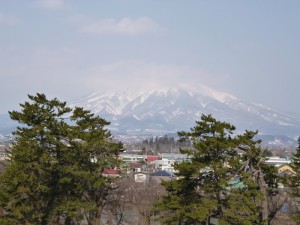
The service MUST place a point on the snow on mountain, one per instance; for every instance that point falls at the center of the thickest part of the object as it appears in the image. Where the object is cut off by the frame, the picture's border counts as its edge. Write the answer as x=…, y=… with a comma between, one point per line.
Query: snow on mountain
x=177, y=108
x=168, y=110
x=207, y=91
x=112, y=103
x=277, y=142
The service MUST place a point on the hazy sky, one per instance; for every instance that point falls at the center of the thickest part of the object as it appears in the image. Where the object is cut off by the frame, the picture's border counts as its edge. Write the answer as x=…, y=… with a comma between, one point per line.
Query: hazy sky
x=70, y=48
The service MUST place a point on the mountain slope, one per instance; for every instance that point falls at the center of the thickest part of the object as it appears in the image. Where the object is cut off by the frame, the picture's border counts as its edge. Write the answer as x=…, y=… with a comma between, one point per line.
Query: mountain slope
x=6, y=124
x=173, y=109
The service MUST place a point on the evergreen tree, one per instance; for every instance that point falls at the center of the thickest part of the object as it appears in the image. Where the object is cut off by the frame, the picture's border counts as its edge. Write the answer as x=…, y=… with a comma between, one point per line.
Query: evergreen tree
x=260, y=188
x=294, y=181
x=216, y=182
x=55, y=170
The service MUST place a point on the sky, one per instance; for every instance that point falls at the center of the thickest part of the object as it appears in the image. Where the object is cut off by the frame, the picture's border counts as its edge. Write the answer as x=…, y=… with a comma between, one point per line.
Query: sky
x=70, y=48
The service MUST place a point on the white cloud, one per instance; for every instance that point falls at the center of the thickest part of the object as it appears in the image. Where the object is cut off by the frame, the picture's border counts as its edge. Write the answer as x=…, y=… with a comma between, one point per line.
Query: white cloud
x=8, y=20
x=125, y=26
x=137, y=75
x=51, y=4
x=61, y=72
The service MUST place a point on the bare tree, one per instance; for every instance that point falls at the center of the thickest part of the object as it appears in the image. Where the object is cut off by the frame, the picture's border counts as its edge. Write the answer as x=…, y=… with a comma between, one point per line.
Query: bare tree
x=143, y=199
x=131, y=203
x=118, y=203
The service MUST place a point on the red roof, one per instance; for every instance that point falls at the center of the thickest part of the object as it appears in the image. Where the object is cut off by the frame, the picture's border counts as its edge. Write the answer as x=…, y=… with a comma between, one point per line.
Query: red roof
x=135, y=165
x=111, y=171
x=152, y=157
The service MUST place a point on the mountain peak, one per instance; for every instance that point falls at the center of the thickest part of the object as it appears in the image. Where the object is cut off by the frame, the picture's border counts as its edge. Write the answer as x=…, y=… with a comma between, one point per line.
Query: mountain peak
x=177, y=108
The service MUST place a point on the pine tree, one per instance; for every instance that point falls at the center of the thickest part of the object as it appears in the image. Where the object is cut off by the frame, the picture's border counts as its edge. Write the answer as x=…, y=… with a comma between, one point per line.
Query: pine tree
x=54, y=175
x=294, y=181
x=260, y=182
x=217, y=182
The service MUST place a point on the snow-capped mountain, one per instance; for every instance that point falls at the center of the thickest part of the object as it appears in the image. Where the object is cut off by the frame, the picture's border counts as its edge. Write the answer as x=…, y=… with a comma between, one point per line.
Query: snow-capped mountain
x=277, y=142
x=174, y=109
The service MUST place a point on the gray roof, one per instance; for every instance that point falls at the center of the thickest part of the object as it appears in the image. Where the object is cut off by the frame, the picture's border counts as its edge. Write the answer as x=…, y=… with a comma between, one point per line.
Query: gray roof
x=163, y=173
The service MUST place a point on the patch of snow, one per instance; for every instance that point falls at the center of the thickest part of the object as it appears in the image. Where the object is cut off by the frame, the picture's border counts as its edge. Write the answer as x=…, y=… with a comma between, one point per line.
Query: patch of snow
x=203, y=104
x=285, y=124
x=136, y=117
x=217, y=95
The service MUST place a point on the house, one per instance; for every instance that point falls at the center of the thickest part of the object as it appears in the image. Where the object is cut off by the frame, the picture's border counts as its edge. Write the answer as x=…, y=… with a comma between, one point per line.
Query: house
x=235, y=184
x=277, y=161
x=285, y=169
x=151, y=158
x=111, y=173
x=136, y=166
x=161, y=175
x=141, y=177
x=131, y=158
x=177, y=157
x=164, y=164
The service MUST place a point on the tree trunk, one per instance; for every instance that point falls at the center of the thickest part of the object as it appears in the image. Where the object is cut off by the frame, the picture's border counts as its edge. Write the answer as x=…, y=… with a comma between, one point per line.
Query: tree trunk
x=264, y=203
x=68, y=221
x=208, y=220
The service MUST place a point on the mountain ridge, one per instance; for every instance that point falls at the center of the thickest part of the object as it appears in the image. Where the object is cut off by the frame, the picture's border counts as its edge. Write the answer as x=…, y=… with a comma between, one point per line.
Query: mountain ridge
x=158, y=111
x=177, y=108
x=136, y=114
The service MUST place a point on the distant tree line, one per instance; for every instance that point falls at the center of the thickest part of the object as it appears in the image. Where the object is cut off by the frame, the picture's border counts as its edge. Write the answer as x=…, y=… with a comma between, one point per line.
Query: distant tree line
x=160, y=144
x=159, y=140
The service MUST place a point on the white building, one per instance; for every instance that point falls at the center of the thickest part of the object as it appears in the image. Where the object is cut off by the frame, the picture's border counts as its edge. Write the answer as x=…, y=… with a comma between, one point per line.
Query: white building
x=177, y=157
x=141, y=177
x=277, y=161
x=164, y=164
x=132, y=158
